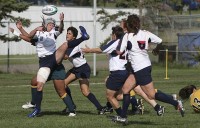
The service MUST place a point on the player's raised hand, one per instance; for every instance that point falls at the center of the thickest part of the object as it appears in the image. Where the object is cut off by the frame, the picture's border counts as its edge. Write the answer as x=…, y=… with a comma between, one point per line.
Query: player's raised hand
x=19, y=24
x=61, y=16
x=11, y=30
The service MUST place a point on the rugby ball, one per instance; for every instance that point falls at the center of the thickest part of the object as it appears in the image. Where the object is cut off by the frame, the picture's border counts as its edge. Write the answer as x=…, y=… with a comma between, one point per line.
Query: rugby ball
x=49, y=10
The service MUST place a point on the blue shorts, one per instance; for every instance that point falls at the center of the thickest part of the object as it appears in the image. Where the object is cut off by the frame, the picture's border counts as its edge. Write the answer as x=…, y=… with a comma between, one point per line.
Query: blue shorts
x=48, y=61
x=143, y=77
x=81, y=72
x=58, y=73
x=116, y=79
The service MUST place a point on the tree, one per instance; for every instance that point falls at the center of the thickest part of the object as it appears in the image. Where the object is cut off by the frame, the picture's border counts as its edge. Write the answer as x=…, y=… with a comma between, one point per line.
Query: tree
x=6, y=7
x=153, y=9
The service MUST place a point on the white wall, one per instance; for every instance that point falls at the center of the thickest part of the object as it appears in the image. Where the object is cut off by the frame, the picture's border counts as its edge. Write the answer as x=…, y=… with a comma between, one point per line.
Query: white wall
x=74, y=16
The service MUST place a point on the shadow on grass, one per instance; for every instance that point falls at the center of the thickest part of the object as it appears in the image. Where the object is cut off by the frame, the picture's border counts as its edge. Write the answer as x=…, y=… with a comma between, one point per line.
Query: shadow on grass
x=43, y=113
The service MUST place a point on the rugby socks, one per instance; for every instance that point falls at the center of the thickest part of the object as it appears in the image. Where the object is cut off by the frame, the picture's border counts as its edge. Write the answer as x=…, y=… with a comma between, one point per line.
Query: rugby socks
x=93, y=99
x=68, y=91
x=118, y=111
x=165, y=98
x=170, y=96
x=68, y=101
x=108, y=105
x=74, y=43
x=33, y=94
x=126, y=102
x=133, y=102
x=157, y=107
x=38, y=102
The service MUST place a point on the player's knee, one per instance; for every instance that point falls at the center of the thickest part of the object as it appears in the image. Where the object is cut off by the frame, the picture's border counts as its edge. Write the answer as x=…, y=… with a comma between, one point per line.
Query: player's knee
x=151, y=96
x=85, y=92
x=40, y=86
x=62, y=96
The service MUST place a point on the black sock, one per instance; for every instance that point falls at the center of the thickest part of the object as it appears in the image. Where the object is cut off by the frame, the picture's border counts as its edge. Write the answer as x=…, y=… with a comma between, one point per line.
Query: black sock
x=165, y=98
x=118, y=111
x=33, y=95
x=156, y=108
x=133, y=102
x=170, y=96
x=68, y=101
x=38, y=102
x=68, y=91
x=126, y=102
x=93, y=99
x=108, y=105
x=74, y=43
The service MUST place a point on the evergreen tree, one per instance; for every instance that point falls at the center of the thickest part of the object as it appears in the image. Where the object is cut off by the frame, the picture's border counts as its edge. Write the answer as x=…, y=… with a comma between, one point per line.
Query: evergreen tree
x=6, y=8
x=151, y=8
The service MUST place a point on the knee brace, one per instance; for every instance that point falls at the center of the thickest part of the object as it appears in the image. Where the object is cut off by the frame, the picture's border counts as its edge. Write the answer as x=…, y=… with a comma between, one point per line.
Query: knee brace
x=43, y=74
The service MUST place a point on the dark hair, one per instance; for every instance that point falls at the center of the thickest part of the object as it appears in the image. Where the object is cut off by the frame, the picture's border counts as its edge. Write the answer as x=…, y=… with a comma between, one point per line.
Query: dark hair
x=185, y=92
x=74, y=31
x=124, y=22
x=133, y=23
x=118, y=31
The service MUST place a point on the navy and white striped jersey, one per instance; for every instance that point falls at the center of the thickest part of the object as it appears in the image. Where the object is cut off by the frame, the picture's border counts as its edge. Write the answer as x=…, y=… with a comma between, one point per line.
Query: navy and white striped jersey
x=137, y=46
x=116, y=62
x=46, y=42
x=76, y=56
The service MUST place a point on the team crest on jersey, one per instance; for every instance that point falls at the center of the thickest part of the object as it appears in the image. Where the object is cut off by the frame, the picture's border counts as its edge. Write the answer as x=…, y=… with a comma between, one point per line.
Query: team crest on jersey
x=141, y=44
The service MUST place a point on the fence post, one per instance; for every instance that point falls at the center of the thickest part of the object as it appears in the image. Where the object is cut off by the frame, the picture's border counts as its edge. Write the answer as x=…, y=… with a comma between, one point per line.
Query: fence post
x=166, y=64
x=8, y=54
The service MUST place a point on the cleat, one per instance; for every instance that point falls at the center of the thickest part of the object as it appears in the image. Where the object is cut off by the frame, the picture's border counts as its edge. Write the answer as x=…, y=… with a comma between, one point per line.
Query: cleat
x=161, y=111
x=108, y=110
x=119, y=119
x=35, y=112
x=66, y=110
x=102, y=111
x=28, y=105
x=72, y=114
x=174, y=96
x=180, y=107
x=140, y=106
x=135, y=111
x=84, y=34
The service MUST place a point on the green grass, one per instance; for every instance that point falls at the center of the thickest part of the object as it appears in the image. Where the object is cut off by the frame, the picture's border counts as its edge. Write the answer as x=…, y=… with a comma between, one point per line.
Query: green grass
x=15, y=91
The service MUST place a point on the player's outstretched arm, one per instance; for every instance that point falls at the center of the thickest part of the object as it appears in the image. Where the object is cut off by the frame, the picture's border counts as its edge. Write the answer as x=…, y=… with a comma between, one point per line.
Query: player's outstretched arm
x=26, y=38
x=91, y=50
x=33, y=32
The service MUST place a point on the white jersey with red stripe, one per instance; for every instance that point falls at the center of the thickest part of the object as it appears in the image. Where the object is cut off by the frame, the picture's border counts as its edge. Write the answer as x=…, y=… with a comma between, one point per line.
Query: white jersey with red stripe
x=76, y=56
x=137, y=46
x=46, y=42
x=116, y=62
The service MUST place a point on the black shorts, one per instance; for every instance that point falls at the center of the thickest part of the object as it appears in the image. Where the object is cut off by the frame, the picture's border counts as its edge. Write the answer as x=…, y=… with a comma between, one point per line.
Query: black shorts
x=48, y=61
x=143, y=77
x=81, y=72
x=116, y=79
x=58, y=73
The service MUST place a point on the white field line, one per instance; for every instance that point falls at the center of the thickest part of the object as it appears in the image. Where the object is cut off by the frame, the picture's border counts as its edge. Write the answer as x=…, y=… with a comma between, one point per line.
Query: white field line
x=52, y=83
x=29, y=58
x=160, y=81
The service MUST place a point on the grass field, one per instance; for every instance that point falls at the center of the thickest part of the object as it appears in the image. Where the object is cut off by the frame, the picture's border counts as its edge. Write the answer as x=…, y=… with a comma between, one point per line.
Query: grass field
x=15, y=91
